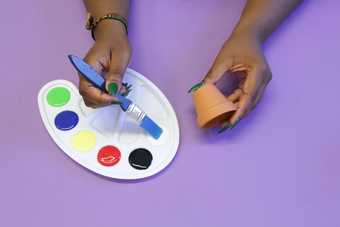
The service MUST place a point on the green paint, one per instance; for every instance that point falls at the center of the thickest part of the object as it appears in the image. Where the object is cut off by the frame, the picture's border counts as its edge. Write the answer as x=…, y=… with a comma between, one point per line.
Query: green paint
x=112, y=88
x=58, y=96
x=195, y=87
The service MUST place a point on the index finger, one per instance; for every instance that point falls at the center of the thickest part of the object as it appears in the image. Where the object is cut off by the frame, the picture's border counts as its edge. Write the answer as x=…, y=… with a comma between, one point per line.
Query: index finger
x=248, y=90
x=100, y=98
x=244, y=104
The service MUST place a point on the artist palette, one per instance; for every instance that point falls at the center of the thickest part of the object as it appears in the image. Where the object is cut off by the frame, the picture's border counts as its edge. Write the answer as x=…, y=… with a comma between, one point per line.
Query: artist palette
x=105, y=140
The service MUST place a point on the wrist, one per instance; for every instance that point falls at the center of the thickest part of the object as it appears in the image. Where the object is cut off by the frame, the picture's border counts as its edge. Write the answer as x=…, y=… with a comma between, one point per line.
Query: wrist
x=250, y=31
x=110, y=30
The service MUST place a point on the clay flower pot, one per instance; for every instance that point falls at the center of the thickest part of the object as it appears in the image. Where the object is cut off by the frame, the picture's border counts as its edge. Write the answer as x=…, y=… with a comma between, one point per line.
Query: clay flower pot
x=211, y=106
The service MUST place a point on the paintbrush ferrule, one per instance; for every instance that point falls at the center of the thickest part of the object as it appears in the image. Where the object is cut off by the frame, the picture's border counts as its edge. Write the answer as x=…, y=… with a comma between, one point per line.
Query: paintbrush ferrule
x=135, y=112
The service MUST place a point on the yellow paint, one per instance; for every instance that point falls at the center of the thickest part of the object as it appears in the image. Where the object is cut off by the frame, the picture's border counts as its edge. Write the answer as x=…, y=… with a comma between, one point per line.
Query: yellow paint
x=84, y=140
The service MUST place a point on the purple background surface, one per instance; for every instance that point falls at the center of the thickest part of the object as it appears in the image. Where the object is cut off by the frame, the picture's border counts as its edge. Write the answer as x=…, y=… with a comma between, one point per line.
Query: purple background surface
x=279, y=167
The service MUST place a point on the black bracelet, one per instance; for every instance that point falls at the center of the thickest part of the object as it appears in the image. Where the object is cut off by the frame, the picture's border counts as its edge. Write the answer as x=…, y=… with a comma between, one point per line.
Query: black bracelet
x=92, y=22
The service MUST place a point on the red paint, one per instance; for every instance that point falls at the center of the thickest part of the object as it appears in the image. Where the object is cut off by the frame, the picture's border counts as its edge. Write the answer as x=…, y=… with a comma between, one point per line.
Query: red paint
x=108, y=156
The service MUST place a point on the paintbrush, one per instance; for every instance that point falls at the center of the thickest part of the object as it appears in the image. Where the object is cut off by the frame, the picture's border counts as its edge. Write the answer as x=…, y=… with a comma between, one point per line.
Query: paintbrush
x=132, y=110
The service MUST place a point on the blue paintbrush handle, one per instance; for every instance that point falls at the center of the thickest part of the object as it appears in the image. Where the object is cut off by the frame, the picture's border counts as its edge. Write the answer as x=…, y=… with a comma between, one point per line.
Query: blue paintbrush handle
x=87, y=71
x=140, y=117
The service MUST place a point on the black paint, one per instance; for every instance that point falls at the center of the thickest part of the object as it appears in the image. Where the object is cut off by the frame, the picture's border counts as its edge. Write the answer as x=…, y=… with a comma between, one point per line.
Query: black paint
x=140, y=158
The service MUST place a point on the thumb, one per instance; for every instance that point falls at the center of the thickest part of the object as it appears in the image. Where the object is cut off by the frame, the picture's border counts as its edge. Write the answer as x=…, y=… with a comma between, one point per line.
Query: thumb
x=113, y=83
x=113, y=79
x=217, y=70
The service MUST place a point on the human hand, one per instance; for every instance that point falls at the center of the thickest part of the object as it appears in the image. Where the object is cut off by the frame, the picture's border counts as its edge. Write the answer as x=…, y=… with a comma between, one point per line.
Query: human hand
x=241, y=55
x=109, y=56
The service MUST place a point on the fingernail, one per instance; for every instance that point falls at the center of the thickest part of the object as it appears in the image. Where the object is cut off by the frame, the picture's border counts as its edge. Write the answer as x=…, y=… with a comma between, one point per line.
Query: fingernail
x=233, y=125
x=112, y=88
x=224, y=128
x=195, y=87
x=126, y=93
x=115, y=102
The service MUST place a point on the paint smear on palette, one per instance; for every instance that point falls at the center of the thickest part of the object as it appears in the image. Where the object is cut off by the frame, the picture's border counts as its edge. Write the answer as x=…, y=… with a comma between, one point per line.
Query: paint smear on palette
x=148, y=104
x=106, y=120
x=130, y=131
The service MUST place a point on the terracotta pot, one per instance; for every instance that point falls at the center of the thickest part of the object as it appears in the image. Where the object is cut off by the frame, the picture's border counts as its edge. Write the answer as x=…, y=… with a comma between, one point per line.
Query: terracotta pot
x=211, y=106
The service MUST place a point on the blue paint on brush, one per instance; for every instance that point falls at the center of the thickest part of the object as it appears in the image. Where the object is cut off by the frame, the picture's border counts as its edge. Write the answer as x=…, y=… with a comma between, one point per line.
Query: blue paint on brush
x=92, y=76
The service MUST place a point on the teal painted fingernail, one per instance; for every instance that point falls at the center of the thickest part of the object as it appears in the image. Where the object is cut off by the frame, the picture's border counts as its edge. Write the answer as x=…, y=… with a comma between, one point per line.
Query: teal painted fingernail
x=112, y=88
x=233, y=126
x=195, y=87
x=126, y=93
x=225, y=126
x=223, y=129
x=115, y=102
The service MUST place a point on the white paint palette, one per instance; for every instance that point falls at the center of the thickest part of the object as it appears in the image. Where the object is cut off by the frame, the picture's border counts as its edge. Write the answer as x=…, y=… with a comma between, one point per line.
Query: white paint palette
x=105, y=140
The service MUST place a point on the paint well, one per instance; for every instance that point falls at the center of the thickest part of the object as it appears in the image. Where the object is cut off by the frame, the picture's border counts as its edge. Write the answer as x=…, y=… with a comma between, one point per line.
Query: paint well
x=108, y=156
x=58, y=96
x=84, y=141
x=66, y=120
x=140, y=159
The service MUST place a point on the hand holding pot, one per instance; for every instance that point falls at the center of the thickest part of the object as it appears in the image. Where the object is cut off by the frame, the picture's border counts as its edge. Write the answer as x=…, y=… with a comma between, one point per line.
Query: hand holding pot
x=241, y=53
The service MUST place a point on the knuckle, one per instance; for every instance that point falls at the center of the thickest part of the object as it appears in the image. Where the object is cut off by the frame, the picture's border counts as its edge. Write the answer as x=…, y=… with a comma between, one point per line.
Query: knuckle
x=262, y=68
x=101, y=101
x=211, y=75
x=113, y=77
x=89, y=59
x=82, y=92
x=265, y=72
x=88, y=104
x=116, y=69
x=269, y=77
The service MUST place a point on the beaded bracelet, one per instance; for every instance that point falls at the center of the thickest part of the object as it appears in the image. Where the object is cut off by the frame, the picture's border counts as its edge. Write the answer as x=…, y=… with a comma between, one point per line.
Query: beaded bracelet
x=92, y=22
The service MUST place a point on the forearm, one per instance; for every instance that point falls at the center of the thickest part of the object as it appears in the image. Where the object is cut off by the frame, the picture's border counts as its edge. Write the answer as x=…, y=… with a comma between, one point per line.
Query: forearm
x=262, y=17
x=99, y=8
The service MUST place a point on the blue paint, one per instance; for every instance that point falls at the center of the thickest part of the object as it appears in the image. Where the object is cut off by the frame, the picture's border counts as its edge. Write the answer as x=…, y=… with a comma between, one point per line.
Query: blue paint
x=66, y=120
